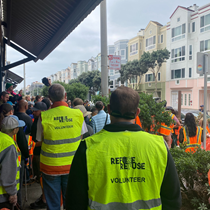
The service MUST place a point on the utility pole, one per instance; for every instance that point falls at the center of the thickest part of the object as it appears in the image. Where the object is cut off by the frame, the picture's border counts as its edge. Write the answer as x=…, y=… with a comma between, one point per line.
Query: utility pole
x=104, y=69
x=24, y=75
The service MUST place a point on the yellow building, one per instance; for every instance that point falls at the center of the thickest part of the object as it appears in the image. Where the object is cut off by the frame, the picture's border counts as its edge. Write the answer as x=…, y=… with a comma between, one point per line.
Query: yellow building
x=147, y=40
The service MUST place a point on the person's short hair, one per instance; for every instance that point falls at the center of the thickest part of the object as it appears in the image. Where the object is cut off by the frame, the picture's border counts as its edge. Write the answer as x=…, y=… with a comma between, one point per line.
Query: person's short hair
x=99, y=105
x=56, y=92
x=124, y=103
x=32, y=98
x=94, y=110
x=77, y=101
x=47, y=102
x=4, y=93
x=38, y=97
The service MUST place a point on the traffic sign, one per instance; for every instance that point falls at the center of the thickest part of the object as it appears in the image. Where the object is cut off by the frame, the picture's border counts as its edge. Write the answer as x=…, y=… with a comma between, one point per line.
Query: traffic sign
x=115, y=62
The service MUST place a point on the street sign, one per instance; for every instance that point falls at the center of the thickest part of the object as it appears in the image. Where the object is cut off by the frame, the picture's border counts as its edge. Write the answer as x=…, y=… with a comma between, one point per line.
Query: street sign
x=200, y=63
x=115, y=62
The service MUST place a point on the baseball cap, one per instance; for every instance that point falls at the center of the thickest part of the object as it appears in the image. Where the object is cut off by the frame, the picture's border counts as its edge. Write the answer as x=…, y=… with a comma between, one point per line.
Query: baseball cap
x=12, y=122
x=9, y=102
x=39, y=106
x=83, y=110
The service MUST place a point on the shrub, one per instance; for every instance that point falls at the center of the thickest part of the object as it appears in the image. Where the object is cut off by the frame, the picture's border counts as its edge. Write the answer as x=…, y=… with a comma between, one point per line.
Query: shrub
x=192, y=169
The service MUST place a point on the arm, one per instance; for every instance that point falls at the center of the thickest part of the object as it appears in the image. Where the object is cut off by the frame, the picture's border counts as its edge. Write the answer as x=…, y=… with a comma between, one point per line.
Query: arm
x=93, y=125
x=177, y=122
x=22, y=143
x=170, y=190
x=8, y=159
x=78, y=180
x=29, y=124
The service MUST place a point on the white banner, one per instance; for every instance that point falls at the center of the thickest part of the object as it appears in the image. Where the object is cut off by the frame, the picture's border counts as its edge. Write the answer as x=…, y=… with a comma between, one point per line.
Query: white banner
x=115, y=62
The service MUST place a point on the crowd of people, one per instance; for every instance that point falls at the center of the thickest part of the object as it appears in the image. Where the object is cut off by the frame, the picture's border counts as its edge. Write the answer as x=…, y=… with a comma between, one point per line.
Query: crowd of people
x=85, y=158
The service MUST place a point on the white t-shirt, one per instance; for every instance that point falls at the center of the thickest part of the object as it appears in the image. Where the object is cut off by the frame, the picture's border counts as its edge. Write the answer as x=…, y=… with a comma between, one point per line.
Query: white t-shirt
x=39, y=132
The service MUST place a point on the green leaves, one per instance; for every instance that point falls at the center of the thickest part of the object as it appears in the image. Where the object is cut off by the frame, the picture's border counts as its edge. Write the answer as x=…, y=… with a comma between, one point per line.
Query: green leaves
x=73, y=90
x=152, y=114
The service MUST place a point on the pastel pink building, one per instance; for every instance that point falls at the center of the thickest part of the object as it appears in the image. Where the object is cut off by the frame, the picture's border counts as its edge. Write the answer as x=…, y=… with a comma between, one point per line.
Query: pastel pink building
x=188, y=32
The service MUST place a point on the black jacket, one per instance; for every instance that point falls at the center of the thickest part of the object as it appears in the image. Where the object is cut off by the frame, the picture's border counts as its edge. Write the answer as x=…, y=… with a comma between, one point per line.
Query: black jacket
x=77, y=189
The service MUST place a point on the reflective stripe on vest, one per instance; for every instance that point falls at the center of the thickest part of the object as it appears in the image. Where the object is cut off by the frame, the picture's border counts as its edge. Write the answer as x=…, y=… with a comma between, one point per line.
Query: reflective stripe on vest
x=126, y=171
x=140, y=204
x=62, y=134
x=164, y=130
x=192, y=142
x=18, y=149
x=5, y=142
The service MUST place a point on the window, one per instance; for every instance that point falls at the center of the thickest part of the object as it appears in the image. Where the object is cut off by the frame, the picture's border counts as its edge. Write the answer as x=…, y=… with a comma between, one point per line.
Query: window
x=149, y=78
x=178, y=54
x=190, y=72
x=150, y=32
x=205, y=23
x=134, y=49
x=159, y=39
x=178, y=73
x=188, y=27
x=122, y=54
x=193, y=27
x=181, y=99
x=205, y=45
x=189, y=99
x=111, y=72
x=185, y=99
x=178, y=32
x=178, y=19
x=159, y=76
x=190, y=52
x=162, y=38
x=150, y=43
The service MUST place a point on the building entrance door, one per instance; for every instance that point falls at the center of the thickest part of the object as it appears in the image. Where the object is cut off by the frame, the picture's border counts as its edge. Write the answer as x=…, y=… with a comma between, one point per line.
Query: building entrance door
x=174, y=100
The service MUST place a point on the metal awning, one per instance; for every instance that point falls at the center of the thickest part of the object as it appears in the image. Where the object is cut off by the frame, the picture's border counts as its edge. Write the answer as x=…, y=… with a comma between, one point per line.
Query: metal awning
x=13, y=78
x=39, y=26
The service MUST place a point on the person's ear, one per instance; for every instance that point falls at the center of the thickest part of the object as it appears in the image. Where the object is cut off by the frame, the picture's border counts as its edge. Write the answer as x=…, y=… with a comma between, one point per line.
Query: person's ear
x=108, y=108
x=138, y=112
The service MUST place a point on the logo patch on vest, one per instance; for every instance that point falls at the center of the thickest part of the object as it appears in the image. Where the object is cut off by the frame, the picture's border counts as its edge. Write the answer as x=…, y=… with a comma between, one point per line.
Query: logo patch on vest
x=63, y=119
x=127, y=163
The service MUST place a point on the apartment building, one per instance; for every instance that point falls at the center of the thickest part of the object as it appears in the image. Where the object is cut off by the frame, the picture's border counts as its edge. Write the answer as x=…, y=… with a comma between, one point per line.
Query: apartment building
x=152, y=38
x=73, y=71
x=188, y=32
x=120, y=47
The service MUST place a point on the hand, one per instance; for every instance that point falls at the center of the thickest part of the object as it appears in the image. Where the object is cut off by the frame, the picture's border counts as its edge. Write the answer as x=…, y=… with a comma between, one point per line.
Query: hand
x=13, y=199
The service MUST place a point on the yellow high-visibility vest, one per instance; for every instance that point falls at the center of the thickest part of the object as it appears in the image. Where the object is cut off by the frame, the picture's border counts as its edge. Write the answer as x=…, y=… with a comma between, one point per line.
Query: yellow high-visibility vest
x=125, y=170
x=18, y=149
x=5, y=142
x=62, y=134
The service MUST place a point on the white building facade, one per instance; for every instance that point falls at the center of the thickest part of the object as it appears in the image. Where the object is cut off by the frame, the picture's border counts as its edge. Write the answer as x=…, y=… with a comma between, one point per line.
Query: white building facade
x=187, y=33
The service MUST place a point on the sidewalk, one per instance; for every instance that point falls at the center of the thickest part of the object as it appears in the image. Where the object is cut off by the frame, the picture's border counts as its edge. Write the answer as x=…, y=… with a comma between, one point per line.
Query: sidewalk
x=33, y=192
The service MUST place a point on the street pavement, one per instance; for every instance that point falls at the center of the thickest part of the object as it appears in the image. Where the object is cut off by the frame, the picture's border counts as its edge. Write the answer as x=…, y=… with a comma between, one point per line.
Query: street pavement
x=33, y=192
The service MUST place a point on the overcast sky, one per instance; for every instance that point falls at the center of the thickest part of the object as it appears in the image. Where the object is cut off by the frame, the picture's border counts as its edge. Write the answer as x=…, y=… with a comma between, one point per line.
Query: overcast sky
x=124, y=19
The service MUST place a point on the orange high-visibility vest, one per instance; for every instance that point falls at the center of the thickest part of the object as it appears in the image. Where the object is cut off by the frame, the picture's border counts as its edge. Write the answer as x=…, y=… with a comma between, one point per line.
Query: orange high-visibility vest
x=31, y=145
x=207, y=128
x=164, y=130
x=192, y=142
x=18, y=149
x=138, y=121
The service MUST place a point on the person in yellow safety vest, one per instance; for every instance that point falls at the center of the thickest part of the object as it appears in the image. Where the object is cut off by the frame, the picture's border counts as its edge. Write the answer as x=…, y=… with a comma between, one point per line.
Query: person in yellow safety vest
x=123, y=167
x=10, y=168
x=21, y=143
x=191, y=134
x=62, y=131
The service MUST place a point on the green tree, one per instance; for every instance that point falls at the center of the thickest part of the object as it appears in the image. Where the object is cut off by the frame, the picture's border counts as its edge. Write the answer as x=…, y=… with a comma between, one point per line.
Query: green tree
x=74, y=90
x=153, y=62
x=152, y=114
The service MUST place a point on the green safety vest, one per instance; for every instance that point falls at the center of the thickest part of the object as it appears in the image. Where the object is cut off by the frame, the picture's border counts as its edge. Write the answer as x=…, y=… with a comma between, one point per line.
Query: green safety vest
x=5, y=142
x=62, y=134
x=125, y=170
